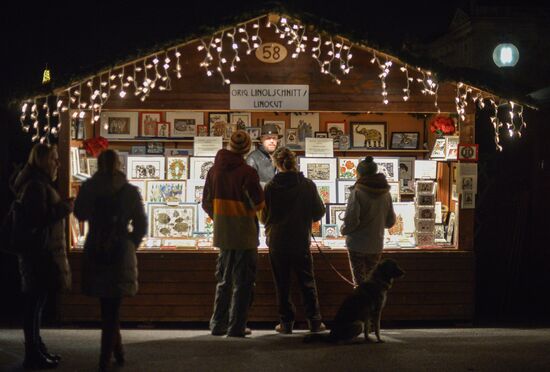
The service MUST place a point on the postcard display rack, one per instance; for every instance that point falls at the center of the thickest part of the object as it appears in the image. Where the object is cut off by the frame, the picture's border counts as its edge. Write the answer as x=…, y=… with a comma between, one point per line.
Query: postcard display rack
x=171, y=179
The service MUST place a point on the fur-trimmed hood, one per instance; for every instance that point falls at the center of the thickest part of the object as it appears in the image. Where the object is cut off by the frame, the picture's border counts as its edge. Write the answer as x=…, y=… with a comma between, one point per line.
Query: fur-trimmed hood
x=375, y=184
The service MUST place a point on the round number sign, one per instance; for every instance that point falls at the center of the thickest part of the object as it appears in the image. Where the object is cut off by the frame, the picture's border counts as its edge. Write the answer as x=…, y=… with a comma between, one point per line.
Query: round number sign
x=271, y=52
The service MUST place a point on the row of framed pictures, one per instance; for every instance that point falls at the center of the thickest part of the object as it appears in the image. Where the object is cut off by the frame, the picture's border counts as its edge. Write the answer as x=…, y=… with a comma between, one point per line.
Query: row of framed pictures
x=188, y=124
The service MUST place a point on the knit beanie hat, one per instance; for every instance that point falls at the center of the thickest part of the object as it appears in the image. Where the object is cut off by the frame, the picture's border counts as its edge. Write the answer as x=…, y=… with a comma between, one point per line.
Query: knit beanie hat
x=240, y=142
x=367, y=167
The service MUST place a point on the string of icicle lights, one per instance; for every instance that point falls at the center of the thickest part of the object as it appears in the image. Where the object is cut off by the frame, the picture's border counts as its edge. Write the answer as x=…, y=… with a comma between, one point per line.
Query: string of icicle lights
x=222, y=52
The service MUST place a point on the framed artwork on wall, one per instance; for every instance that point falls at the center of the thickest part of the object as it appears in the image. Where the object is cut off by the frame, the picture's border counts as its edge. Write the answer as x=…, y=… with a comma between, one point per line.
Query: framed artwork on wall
x=335, y=130
x=254, y=133
x=195, y=189
x=389, y=167
x=306, y=123
x=217, y=122
x=199, y=166
x=318, y=169
x=451, y=147
x=335, y=215
x=329, y=231
x=406, y=168
x=438, y=151
x=240, y=119
x=347, y=168
x=202, y=130
x=291, y=139
x=394, y=191
x=118, y=124
x=163, y=129
x=327, y=191
x=343, y=188
x=177, y=167
x=168, y=192
x=166, y=221
x=468, y=152
x=148, y=121
x=426, y=212
x=154, y=148
x=146, y=167
x=404, y=140
x=321, y=135
x=367, y=135
x=183, y=124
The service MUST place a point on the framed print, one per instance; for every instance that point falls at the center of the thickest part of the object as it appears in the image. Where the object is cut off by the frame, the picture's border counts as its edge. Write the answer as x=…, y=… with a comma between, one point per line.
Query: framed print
x=425, y=169
x=451, y=147
x=205, y=223
x=467, y=184
x=229, y=130
x=438, y=151
x=389, y=167
x=138, y=150
x=146, y=167
x=123, y=156
x=425, y=187
x=154, y=148
x=335, y=130
x=118, y=124
x=450, y=227
x=318, y=169
x=83, y=163
x=406, y=168
x=468, y=200
x=344, y=142
x=163, y=129
x=168, y=192
x=195, y=189
x=327, y=191
x=199, y=166
x=329, y=231
x=439, y=233
x=240, y=119
x=426, y=212
x=307, y=123
x=425, y=226
x=404, y=219
x=347, y=168
x=142, y=188
x=321, y=135
x=368, y=135
x=177, y=167
x=92, y=165
x=425, y=200
x=202, y=130
x=184, y=123
x=394, y=191
x=404, y=140
x=148, y=121
x=468, y=152
x=217, y=122
x=343, y=187
x=335, y=215
x=291, y=139
x=316, y=229
x=166, y=221
x=254, y=133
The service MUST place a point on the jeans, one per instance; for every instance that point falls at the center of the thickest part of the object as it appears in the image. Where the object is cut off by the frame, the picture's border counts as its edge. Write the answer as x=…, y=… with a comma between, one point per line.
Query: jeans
x=300, y=262
x=32, y=316
x=235, y=273
x=362, y=265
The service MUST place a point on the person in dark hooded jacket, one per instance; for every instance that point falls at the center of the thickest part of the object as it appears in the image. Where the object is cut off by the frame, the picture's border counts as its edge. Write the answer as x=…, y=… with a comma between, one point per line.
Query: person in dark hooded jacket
x=109, y=263
x=368, y=212
x=43, y=260
x=292, y=205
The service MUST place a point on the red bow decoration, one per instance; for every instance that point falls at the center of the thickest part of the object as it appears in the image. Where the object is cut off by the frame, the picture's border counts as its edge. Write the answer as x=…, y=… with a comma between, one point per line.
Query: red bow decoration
x=95, y=145
x=442, y=125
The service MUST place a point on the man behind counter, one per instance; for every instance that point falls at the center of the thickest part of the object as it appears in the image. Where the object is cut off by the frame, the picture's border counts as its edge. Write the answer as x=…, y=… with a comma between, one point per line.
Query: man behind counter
x=260, y=159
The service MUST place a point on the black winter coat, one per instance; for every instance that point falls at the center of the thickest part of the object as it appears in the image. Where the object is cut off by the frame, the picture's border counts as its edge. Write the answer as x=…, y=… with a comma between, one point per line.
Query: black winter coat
x=43, y=261
x=292, y=205
x=260, y=160
x=115, y=276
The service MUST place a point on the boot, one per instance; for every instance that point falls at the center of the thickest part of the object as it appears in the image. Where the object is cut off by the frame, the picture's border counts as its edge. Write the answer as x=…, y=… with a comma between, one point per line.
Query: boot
x=34, y=359
x=284, y=328
x=118, y=350
x=316, y=325
x=44, y=350
x=107, y=345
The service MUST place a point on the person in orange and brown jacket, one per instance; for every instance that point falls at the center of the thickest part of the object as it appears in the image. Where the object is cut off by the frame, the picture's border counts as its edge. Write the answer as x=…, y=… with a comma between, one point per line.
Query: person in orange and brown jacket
x=368, y=212
x=292, y=204
x=232, y=196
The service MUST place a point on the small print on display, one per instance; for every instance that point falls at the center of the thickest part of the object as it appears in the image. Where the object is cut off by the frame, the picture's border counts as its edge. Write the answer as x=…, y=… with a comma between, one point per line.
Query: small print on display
x=240, y=119
x=154, y=148
x=176, y=167
x=322, y=169
x=146, y=167
x=254, y=133
x=199, y=167
x=184, y=123
x=218, y=122
x=344, y=189
x=389, y=167
x=404, y=140
x=425, y=187
x=148, y=123
x=347, y=168
x=368, y=135
x=172, y=221
x=424, y=200
x=169, y=192
x=330, y=231
x=426, y=213
x=438, y=151
x=468, y=152
x=335, y=130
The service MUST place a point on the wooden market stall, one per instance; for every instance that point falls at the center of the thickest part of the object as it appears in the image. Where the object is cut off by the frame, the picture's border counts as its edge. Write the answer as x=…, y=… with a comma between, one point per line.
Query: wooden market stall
x=178, y=284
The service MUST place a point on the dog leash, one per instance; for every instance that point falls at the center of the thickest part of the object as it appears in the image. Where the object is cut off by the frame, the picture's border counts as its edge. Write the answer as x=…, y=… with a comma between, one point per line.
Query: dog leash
x=331, y=265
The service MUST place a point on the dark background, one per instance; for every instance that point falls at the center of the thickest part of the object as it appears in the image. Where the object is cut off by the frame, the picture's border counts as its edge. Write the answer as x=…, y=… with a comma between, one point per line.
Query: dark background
x=511, y=243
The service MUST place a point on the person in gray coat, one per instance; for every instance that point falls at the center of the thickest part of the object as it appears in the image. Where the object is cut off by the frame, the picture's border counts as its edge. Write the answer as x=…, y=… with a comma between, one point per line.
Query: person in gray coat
x=368, y=212
x=43, y=258
x=109, y=266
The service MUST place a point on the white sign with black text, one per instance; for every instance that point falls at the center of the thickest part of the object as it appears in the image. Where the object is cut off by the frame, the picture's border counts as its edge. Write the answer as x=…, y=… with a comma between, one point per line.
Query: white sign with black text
x=207, y=146
x=269, y=97
x=319, y=147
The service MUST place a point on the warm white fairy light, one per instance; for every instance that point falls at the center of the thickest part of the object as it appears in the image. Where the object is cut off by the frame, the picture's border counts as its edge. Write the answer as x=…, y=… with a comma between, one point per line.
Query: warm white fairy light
x=178, y=65
x=407, y=89
x=384, y=72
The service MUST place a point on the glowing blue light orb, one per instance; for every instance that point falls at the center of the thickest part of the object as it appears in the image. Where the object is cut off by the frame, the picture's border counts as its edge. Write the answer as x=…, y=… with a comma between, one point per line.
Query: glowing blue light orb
x=506, y=55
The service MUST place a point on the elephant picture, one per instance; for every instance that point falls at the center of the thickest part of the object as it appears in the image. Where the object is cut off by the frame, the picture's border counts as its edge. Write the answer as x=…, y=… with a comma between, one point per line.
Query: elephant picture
x=368, y=135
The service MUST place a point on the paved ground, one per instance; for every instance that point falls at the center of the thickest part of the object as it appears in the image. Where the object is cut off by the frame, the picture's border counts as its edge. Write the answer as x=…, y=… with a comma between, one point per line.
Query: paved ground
x=456, y=349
